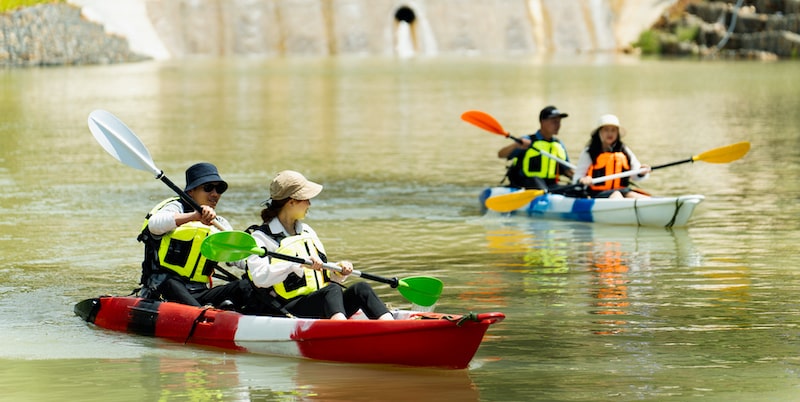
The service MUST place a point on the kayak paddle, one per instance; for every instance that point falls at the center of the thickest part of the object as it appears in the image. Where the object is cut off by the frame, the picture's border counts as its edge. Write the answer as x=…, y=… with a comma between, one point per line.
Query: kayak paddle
x=235, y=245
x=512, y=201
x=487, y=122
x=518, y=199
x=515, y=200
x=121, y=143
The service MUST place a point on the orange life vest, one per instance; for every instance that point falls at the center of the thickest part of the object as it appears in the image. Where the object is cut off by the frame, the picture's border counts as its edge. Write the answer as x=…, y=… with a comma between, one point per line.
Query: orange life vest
x=608, y=163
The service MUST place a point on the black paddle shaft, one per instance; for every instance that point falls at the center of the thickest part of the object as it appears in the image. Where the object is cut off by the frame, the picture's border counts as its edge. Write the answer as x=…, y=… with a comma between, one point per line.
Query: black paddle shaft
x=180, y=192
x=672, y=163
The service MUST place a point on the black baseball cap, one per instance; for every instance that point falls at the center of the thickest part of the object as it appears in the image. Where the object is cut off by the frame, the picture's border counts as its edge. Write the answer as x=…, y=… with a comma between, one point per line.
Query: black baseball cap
x=551, y=112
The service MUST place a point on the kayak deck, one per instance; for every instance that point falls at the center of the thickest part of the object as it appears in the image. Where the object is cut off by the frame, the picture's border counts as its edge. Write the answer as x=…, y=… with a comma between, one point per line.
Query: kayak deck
x=653, y=211
x=412, y=339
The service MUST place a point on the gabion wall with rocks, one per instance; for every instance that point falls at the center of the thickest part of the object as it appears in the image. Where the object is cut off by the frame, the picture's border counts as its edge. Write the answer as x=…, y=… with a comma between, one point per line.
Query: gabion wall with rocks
x=761, y=29
x=56, y=34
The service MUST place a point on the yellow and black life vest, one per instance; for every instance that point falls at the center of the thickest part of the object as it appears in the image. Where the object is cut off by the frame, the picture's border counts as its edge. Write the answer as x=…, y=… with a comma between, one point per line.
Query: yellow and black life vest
x=533, y=164
x=302, y=246
x=608, y=163
x=178, y=250
x=293, y=286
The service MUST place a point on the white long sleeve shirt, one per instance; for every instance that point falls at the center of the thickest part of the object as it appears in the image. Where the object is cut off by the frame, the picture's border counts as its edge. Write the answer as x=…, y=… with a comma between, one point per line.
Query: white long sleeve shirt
x=163, y=221
x=264, y=271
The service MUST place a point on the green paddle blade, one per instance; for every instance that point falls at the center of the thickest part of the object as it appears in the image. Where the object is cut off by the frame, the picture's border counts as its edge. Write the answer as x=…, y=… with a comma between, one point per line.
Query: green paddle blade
x=421, y=290
x=229, y=246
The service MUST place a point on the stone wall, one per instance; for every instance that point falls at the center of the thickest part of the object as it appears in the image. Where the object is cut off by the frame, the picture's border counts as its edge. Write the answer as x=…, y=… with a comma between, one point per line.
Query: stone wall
x=56, y=34
x=765, y=29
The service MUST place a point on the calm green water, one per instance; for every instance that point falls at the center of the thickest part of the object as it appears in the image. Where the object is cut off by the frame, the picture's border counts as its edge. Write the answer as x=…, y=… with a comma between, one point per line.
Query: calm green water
x=594, y=312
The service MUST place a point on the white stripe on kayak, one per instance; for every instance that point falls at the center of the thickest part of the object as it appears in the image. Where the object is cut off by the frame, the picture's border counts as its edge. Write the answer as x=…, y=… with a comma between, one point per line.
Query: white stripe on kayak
x=268, y=335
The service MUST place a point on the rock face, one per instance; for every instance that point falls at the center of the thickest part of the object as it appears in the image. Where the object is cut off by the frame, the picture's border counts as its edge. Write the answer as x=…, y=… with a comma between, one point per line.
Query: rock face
x=55, y=34
x=764, y=29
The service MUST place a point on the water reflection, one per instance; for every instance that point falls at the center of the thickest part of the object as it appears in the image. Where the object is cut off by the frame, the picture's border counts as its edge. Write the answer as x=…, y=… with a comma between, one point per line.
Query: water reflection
x=616, y=266
x=205, y=376
x=609, y=286
x=707, y=310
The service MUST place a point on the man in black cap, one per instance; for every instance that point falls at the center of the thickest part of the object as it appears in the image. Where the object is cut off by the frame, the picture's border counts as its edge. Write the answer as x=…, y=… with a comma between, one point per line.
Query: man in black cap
x=531, y=168
x=173, y=267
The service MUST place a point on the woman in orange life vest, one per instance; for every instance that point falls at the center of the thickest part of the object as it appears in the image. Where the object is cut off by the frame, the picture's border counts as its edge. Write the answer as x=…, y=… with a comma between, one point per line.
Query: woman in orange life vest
x=288, y=288
x=605, y=155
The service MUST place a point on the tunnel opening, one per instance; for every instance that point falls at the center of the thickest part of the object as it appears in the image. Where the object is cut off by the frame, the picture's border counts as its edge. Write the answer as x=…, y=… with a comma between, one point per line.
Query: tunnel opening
x=405, y=14
x=405, y=42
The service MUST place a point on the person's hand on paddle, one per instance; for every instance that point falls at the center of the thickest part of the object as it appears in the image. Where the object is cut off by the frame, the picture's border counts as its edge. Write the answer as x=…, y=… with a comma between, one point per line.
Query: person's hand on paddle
x=521, y=143
x=347, y=267
x=207, y=215
x=644, y=170
x=316, y=263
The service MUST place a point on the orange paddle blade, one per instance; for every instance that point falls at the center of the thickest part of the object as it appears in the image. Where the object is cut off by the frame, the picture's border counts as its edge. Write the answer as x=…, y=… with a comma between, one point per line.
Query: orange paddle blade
x=484, y=121
x=728, y=153
x=512, y=201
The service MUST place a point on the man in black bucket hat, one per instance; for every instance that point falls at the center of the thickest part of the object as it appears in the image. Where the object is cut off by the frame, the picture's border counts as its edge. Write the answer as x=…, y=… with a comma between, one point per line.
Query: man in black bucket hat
x=173, y=268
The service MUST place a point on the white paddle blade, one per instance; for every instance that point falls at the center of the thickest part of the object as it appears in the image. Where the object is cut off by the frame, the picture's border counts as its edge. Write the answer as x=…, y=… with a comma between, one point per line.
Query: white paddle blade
x=120, y=142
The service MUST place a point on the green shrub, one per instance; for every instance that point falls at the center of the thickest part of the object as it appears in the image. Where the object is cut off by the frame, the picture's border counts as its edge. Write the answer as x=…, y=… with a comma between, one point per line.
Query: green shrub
x=687, y=33
x=649, y=42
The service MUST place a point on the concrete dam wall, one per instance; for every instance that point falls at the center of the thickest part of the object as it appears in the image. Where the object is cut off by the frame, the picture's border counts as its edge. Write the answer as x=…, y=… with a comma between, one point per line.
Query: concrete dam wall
x=165, y=29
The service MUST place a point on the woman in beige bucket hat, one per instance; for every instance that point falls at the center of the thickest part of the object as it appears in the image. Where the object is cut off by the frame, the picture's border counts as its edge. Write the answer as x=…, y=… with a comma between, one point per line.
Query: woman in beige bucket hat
x=288, y=288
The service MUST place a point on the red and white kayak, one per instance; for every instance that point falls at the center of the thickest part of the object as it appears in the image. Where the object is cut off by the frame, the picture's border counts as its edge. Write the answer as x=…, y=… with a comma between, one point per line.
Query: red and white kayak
x=412, y=339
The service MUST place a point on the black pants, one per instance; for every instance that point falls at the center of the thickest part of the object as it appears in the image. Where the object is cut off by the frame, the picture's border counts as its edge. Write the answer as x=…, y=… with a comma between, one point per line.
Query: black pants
x=236, y=292
x=175, y=289
x=323, y=303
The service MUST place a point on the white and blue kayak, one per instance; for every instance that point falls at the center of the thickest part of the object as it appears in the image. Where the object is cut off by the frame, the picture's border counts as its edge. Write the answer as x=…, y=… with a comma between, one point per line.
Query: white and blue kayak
x=654, y=211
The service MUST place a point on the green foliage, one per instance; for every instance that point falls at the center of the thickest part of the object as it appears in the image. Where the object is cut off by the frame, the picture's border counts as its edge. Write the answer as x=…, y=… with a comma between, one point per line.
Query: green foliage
x=649, y=42
x=11, y=5
x=687, y=33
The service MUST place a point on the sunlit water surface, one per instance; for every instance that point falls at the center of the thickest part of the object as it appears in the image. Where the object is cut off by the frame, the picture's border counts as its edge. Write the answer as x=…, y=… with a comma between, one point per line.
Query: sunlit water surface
x=595, y=312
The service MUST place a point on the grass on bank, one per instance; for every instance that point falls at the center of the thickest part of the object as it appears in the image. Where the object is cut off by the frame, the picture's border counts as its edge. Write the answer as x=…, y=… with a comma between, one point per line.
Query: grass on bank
x=11, y=5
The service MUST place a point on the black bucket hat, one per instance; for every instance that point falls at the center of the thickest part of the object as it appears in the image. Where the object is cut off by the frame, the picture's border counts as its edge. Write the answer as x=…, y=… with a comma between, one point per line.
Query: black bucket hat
x=201, y=173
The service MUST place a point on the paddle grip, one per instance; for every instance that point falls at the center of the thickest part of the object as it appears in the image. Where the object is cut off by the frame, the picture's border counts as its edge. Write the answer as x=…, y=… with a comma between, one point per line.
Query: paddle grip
x=517, y=140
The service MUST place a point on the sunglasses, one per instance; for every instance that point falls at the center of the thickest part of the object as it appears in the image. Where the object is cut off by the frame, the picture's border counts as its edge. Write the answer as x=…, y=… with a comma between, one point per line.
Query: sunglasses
x=220, y=187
